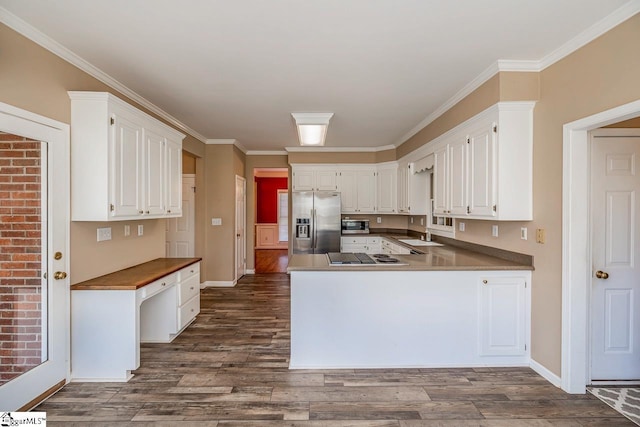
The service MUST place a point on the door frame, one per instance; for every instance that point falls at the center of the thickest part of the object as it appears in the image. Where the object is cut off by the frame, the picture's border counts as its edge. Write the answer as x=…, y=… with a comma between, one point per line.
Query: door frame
x=243, y=181
x=34, y=126
x=576, y=249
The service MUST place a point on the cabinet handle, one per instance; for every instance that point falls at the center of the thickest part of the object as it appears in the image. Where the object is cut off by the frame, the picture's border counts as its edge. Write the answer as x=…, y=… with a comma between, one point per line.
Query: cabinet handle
x=164, y=284
x=140, y=212
x=485, y=281
x=191, y=288
x=169, y=211
x=192, y=271
x=147, y=212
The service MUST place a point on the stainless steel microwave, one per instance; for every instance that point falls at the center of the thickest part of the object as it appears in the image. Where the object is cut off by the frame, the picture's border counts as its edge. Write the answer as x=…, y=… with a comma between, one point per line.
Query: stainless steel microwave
x=355, y=226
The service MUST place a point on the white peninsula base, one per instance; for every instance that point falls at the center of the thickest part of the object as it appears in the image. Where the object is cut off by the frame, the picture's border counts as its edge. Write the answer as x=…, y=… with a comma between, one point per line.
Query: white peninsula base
x=408, y=319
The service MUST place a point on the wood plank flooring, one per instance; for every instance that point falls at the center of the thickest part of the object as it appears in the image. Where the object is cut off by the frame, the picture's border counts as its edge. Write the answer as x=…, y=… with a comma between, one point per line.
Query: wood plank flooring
x=229, y=369
x=271, y=260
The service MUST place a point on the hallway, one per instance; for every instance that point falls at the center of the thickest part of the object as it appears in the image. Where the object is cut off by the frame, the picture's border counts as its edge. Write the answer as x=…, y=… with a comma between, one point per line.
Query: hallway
x=230, y=368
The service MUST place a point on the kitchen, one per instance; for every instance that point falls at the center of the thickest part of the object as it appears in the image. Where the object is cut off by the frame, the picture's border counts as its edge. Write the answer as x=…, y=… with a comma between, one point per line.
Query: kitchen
x=559, y=100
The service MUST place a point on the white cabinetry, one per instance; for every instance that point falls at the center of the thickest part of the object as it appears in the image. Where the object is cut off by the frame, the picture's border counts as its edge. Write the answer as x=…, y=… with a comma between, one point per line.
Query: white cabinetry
x=502, y=316
x=412, y=191
x=314, y=178
x=483, y=167
x=358, y=244
x=357, y=187
x=188, y=296
x=387, y=191
x=124, y=163
x=391, y=248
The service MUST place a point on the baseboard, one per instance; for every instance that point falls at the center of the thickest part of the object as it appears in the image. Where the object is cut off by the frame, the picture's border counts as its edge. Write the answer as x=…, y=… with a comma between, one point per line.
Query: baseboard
x=218, y=284
x=546, y=374
x=250, y=271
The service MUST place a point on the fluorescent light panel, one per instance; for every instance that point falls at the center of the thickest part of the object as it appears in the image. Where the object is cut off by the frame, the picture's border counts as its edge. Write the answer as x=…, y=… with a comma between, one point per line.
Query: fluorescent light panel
x=312, y=127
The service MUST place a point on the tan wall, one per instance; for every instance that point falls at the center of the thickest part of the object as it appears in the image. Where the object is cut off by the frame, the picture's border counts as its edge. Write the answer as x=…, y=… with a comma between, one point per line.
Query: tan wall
x=253, y=162
x=36, y=80
x=188, y=163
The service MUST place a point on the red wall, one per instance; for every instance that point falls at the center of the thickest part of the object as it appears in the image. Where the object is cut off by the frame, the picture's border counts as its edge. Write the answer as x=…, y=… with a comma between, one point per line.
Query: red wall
x=267, y=198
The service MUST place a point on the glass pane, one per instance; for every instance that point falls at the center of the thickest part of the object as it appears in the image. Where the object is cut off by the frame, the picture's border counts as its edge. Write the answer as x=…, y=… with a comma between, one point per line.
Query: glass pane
x=22, y=232
x=283, y=212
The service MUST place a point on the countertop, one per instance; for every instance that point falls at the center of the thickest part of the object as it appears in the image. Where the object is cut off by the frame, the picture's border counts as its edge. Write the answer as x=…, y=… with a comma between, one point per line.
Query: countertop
x=447, y=257
x=135, y=277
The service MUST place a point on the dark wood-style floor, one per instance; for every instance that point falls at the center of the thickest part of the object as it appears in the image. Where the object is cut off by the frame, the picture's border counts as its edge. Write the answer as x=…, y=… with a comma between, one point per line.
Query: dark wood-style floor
x=229, y=368
x=271, y=260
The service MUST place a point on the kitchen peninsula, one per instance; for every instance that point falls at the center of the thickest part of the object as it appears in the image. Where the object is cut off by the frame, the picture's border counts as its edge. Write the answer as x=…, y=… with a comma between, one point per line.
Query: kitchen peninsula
x=446, y=307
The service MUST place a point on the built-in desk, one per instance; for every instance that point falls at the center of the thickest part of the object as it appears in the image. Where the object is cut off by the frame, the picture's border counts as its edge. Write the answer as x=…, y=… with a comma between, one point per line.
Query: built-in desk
x=112, y=314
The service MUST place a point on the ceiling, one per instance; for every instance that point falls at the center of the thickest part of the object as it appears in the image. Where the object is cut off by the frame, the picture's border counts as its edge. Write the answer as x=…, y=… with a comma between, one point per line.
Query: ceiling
x=238, y=69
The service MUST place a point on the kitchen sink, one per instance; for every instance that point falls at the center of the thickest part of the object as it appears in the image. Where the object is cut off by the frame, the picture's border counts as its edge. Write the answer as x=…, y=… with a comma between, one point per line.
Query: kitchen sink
x=417, y=242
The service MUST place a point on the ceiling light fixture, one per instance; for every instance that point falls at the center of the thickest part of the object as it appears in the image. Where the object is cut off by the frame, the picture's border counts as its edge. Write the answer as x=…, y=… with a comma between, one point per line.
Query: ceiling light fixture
x=312, y=127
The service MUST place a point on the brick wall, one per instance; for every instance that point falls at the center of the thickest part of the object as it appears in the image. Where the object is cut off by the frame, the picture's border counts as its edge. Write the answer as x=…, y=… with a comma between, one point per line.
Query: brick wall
x=20, y=256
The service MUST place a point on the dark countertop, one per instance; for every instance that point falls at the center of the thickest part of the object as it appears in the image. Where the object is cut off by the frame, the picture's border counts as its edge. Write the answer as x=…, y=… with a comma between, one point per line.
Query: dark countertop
x=135, y=277
x=454, y=256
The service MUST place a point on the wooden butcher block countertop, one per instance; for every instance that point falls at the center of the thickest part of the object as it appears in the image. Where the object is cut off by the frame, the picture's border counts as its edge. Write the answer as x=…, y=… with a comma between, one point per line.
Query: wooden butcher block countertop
x=135, y=277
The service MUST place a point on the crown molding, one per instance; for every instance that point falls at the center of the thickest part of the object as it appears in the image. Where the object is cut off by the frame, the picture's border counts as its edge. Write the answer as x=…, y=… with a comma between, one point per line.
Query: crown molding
x=266, y=153
x=20, y=26
x=517, y=65
x=338, y=149
x=610, y=21
x=220, y=141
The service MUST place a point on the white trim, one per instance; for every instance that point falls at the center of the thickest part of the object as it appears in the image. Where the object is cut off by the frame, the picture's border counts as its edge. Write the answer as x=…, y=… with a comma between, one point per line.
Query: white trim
x=220, y=141
x=610, y=21
x=518, y=65
x=618, y=383
x=30, y=32
x=545, y=373
x=251, y=271
x=576, y=268
x=266, y=153
x=218, y=284
x=339, y=149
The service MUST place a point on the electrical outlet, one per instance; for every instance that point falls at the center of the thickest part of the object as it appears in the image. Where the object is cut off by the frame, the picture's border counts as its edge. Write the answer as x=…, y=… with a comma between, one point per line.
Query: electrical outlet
x=523, y=233
x=378, y=220
x=494, y=230
x=127, y=230
x=104, y=234
x=421, y=221
x=411, y=220
x=461, y=226
x=216, y=221
x=541, y=236
x=140, y=230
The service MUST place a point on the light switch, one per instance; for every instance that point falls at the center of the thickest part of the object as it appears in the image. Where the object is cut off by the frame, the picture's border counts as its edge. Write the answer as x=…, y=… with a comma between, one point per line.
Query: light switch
x=461, y=226
x=216, y=221
x=523, y=233
x=494, y=230
x=104, y=234
x=140, y=230
x=127, y=230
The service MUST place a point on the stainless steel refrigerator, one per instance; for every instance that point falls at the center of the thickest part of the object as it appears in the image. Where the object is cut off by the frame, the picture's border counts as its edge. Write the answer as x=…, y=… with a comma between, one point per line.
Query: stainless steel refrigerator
x=316, y=222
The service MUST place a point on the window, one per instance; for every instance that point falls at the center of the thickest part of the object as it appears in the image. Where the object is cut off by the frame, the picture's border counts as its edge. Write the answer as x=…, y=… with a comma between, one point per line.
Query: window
x=283, y=216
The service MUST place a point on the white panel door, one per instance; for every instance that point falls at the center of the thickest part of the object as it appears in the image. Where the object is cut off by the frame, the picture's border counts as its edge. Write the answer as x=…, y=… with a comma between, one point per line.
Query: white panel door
x=441, y=180
x=366, y=190
x=458, y=188
x=154, y=150
x=615, y=309
x=481, y=175
x=127, y=186
x=303, y=179
x=240, y=226
x=326, y=179
x=387, y=191
x=502, y=315
x=180, y=230
x=347, y=186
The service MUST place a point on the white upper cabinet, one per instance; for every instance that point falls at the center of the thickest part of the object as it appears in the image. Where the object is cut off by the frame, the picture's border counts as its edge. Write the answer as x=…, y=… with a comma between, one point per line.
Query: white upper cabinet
x=314, y=178
x=412, y=190
x=483, y=167
x=403, y=188
x=124, y=163
x=357, y=187
x=386, y=188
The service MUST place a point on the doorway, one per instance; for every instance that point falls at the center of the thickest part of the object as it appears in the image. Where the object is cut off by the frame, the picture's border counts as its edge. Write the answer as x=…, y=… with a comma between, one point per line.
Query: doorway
x=34, y=257
x=181, y=231
x=576, y=267
x=271, y=220
x=241, y=225
x=615, y=285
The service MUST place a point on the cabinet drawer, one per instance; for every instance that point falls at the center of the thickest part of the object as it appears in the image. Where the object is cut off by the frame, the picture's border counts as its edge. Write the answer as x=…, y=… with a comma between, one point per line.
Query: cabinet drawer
x=353, y=240
x=373, y=240
x=158, y=286
x=188, y=311
x=188, y=272
x=188, y=289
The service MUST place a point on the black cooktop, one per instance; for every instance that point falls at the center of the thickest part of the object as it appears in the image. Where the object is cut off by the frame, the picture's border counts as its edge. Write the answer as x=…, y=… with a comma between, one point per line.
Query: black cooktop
x=349, y=258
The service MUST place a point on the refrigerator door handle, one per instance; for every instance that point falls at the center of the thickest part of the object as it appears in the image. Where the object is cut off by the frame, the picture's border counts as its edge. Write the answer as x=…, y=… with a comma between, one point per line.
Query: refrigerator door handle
x=315, y=229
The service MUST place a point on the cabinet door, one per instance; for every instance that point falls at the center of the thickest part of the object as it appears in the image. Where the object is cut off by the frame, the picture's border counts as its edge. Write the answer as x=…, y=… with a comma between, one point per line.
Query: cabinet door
x=154, y=161
x=440, y=180
x=403, y=188
x=502, y=316
x=326, y=180
x=266, y=236
x=481, y=172
x=127, y=177
x=387, y=190
x=458, y=186
x=347, y=186
x=303, y=179
x=366, y=191
x=173, y=178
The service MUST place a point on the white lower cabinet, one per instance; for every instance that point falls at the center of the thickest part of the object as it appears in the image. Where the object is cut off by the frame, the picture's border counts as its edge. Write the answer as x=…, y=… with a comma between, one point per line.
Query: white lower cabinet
x=359, y=244
x=188, y=295
x=391, y=248
x=502, y=316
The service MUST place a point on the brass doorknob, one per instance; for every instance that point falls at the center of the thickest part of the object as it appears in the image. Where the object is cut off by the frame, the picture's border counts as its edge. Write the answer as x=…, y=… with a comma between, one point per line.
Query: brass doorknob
x=602, y=275
x=59, y=275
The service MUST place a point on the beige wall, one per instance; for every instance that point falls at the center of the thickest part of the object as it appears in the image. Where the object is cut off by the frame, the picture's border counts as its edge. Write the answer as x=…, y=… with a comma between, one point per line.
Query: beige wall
x=254, y=162
x=188, y=163
x=36, y=80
